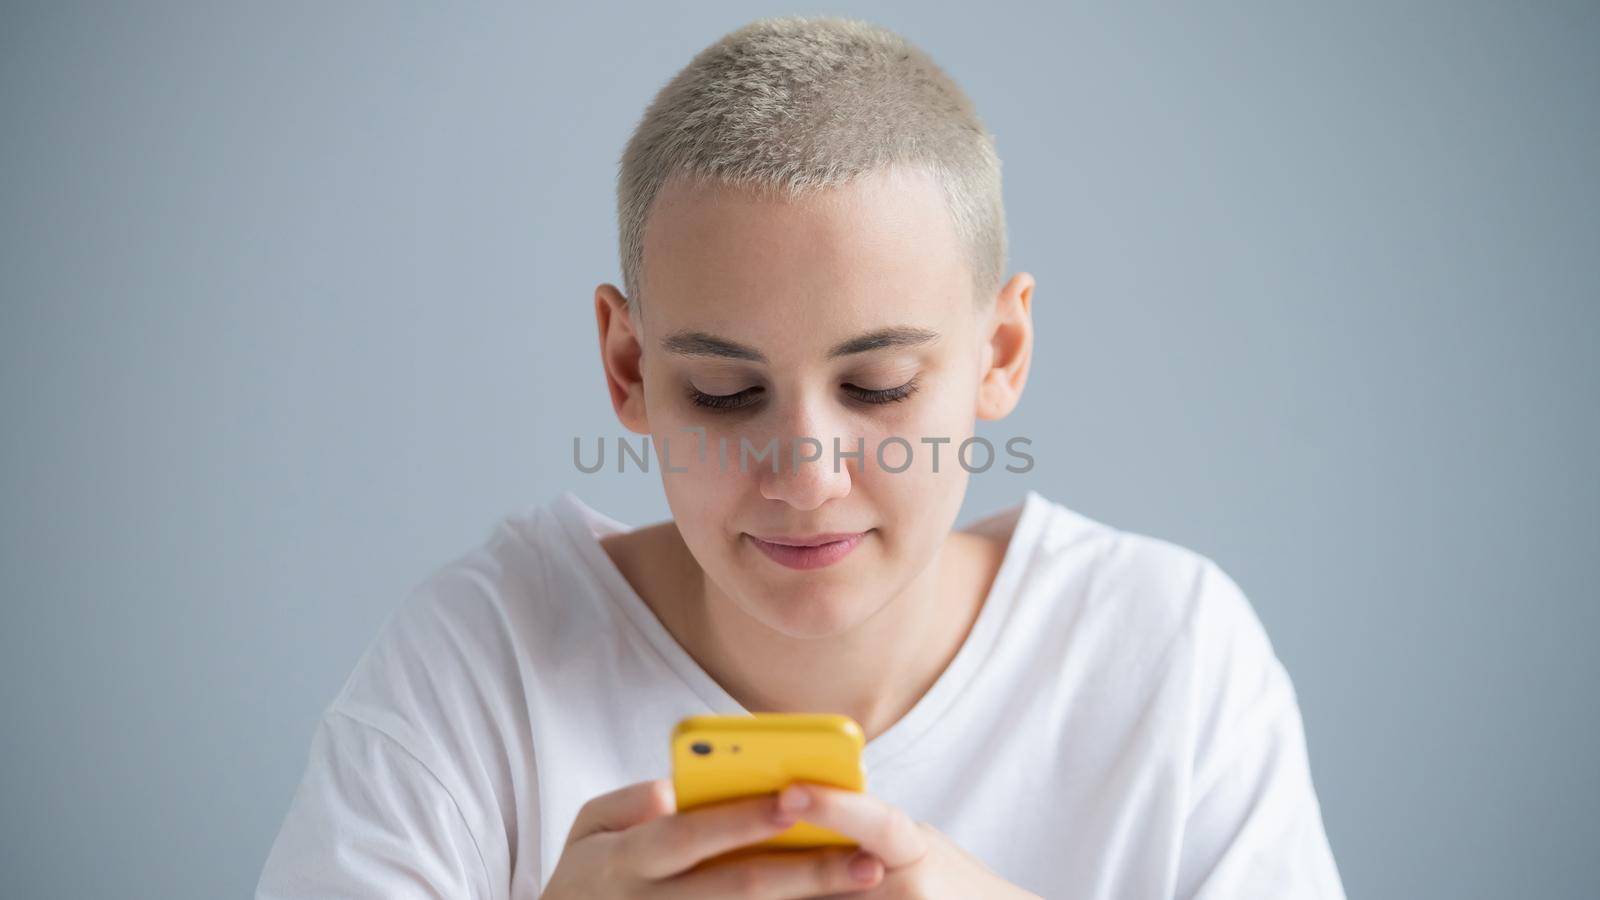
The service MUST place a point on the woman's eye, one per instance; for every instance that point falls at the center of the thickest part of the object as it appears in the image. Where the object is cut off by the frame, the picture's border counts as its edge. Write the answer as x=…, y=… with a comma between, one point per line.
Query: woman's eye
x=724, y=401
x=889, y=395
x=751, y=395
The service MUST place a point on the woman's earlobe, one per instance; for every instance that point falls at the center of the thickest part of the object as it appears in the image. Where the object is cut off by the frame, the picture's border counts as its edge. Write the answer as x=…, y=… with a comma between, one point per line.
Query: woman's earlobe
x=997, y=397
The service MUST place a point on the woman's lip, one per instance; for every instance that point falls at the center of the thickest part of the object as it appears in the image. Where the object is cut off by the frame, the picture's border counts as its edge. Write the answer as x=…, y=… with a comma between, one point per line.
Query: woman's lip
x=811, y=557
x=808, y=540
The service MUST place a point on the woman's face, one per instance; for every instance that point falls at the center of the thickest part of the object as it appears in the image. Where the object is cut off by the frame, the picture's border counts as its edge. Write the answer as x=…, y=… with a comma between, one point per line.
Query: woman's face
x=848, y=318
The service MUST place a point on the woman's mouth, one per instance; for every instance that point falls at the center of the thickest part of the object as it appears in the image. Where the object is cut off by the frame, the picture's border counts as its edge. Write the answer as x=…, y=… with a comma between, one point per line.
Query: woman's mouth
x=812, y=552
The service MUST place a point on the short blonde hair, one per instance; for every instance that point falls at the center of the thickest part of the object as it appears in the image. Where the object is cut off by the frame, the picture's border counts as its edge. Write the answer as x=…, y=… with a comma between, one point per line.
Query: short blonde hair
x=795, y=104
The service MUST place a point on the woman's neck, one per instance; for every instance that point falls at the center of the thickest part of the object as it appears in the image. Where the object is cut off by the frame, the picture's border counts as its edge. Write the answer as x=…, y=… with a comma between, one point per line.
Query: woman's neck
x=874, y=673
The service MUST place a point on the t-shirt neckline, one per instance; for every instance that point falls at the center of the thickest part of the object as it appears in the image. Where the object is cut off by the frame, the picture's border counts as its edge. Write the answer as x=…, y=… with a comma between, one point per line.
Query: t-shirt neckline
x=585, y=526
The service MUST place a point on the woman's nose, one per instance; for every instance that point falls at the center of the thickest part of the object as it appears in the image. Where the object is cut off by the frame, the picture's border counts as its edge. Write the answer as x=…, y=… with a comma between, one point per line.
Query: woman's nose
x=814, y=465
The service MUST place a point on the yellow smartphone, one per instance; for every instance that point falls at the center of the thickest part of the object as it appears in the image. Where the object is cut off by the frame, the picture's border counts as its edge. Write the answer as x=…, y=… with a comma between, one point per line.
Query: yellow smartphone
x=718, y=758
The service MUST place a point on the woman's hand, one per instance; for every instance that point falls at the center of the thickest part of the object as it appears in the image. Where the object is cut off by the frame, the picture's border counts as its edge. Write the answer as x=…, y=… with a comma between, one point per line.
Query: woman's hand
x=920, y=862
x=632, y=843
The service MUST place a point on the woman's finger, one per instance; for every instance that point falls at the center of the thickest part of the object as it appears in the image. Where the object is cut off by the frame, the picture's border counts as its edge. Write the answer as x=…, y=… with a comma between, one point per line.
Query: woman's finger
x=775, y=875
x=623, y=808
x=879, y=827
x=673, y=844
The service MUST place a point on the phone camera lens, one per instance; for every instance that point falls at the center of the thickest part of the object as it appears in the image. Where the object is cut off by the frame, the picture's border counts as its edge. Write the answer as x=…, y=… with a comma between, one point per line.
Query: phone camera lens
x=700, y=747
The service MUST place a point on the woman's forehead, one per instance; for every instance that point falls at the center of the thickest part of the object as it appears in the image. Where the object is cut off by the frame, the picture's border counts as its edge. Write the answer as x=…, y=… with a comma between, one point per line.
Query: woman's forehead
x=880, y=234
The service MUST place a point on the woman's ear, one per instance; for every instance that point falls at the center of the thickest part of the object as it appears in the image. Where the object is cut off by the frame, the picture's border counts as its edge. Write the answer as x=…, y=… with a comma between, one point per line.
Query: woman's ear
x=621, y=355
x=1009, y=348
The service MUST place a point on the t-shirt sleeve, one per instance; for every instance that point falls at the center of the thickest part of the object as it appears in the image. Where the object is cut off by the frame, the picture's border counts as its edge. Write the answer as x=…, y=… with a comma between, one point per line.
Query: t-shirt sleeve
x=1254, y=826
x=369, y=819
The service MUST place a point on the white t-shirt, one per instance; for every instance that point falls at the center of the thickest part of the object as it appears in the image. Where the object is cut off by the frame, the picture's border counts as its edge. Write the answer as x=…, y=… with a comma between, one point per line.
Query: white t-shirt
x=1115, y=725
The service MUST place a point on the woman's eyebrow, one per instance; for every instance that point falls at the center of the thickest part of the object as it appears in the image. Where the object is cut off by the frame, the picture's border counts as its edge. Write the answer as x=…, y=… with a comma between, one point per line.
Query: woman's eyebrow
x=700, y=343
x=896, y=336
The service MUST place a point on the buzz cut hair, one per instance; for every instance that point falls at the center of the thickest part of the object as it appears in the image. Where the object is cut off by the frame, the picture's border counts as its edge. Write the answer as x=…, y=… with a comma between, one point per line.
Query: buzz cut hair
x=792, y=105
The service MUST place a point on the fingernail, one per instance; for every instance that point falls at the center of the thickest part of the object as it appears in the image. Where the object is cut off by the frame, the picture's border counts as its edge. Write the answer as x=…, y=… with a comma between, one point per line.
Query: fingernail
x=864, y=867
x=794, y=798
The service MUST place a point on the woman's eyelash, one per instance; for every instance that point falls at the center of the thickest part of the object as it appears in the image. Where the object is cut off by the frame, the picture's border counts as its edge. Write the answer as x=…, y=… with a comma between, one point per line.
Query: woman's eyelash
x=722, y=401
x=725, y=402
x=890, y=395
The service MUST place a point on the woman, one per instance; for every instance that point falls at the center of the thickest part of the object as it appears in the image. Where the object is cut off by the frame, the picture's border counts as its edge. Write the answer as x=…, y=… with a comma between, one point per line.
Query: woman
x=813, y=317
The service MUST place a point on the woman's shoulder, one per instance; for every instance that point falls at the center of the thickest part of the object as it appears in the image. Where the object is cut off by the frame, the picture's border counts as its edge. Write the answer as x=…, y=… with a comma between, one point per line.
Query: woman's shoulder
x=1136, y=579
x=1146, y=613
x=464, y=641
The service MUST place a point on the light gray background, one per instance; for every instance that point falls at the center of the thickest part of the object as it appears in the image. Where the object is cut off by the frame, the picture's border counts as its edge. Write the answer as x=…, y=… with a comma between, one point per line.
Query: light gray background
x=297, y=303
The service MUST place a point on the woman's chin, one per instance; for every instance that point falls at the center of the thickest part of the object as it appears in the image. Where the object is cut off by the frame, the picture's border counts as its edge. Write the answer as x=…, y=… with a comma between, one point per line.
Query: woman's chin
x=812, y=610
